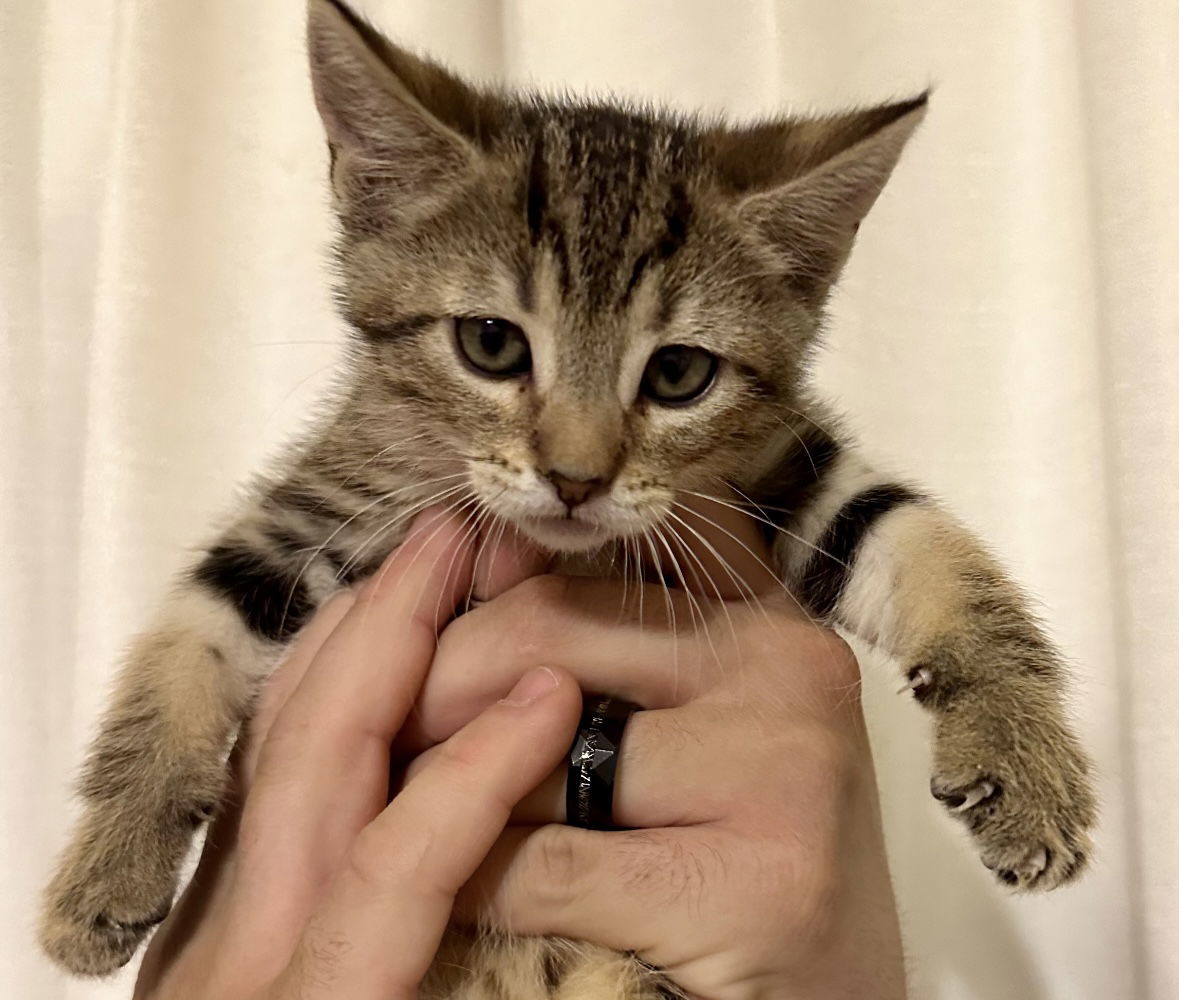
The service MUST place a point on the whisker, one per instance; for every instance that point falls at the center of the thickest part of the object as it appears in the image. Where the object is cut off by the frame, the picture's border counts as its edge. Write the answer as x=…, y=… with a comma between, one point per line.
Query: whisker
x=354, y=559
x=813, y=422
x=625, y=576
x=763, y=520
x=670, y=605
x=382, y=453
x=761, y=562
x=471, y=531
x=640, y=582
x=694, y=606
x=327, y=541
x=448, y=509
x=740, y=584
x=805, y=450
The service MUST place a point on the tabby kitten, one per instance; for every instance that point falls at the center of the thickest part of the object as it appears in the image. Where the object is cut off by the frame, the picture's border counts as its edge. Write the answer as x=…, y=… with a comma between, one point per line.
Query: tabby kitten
x=567, y=314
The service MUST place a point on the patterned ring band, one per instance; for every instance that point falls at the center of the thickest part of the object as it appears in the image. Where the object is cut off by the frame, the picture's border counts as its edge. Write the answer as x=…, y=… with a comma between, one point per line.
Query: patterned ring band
x=593, y=762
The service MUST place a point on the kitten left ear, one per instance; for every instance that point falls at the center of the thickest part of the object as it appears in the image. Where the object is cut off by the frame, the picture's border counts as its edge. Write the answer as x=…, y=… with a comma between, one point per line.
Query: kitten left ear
x=805, y=185
x=396, y=124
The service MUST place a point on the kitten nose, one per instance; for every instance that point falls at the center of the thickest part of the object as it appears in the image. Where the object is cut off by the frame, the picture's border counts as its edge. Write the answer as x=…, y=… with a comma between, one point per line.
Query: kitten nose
x=574, y=491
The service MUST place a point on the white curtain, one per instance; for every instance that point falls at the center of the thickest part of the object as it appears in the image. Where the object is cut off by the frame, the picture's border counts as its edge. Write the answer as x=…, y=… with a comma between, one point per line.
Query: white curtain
x=1008, y=331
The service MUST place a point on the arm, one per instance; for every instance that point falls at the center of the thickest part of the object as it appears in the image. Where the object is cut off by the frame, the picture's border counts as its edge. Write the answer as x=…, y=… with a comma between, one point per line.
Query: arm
x=886, y=562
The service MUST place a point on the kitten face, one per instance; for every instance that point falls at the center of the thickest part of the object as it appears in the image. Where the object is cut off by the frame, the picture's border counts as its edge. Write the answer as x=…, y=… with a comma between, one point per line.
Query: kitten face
x=598, y=288
x=574, y=313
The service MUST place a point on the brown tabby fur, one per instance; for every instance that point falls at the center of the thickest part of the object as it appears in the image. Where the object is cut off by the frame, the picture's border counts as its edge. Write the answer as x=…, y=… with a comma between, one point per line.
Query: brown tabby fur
x=603, y=232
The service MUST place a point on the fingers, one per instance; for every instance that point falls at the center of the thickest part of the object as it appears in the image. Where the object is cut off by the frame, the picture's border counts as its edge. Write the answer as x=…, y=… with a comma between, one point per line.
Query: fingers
x=322, y=772
x=367, y=672
x=628, y=890
x=392, y=901
x=667, y=775
x=287, y=676
x=613, y=639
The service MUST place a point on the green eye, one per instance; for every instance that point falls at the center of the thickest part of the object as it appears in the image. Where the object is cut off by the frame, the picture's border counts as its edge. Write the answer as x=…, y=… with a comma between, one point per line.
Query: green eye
x=679, y=374
x=493, y=347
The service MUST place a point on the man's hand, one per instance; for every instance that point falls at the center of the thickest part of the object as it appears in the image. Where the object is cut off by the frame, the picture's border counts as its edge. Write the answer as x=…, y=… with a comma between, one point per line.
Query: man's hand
x=756, y=865
x=316, y=888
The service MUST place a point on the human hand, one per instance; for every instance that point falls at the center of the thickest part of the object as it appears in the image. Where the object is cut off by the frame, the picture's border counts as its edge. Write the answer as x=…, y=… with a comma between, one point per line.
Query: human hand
x=301, y=892
x=755, y=866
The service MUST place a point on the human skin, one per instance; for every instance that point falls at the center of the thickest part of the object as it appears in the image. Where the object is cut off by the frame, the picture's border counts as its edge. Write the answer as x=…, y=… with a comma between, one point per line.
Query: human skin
x=755, y=867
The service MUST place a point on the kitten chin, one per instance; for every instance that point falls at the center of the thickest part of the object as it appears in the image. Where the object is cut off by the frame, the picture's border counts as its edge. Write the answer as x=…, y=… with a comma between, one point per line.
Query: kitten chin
x=559, y=534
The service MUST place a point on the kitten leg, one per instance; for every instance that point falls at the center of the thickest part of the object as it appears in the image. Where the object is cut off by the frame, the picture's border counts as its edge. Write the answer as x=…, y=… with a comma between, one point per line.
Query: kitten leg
x=899, y=571
x=157, y=768
x=154, y=774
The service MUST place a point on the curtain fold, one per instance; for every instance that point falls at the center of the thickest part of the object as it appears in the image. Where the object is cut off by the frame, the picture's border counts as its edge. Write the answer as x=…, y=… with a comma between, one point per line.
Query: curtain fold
x=1007, y=332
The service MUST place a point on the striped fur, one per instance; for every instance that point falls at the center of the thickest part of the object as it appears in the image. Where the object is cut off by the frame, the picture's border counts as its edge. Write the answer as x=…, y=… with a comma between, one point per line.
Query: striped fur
x=603, y=232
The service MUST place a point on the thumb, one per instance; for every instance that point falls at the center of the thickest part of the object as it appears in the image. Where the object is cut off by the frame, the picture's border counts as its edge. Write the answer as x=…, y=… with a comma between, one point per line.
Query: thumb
x=725, y=553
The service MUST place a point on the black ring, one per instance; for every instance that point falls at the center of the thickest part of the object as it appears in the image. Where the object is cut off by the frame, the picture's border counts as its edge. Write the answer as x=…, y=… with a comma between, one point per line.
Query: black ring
x=593, y=762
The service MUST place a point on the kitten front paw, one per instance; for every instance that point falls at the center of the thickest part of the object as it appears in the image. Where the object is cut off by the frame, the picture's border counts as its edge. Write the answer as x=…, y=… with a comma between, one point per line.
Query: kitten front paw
x=89, y=944
x=111, y=888
x=1020, y=783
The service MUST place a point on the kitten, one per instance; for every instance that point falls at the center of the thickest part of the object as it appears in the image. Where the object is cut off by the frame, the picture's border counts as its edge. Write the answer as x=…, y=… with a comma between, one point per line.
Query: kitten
x=566, y=314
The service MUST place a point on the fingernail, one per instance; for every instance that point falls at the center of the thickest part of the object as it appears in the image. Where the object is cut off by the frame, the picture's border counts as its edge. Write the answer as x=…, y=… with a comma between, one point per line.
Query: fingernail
x=533, y=685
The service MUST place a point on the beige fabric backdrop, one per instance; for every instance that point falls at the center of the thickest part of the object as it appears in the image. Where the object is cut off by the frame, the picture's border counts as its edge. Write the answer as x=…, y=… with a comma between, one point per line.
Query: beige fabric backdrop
x=1008, y=330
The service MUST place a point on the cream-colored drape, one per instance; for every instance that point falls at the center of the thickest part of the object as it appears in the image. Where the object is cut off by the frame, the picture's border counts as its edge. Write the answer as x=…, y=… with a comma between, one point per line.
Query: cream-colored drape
x=1008, y=331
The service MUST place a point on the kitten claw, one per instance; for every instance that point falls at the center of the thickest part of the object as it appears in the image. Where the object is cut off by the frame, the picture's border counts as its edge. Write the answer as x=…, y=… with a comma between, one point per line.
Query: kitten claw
x=973, y=796
x=920, y=678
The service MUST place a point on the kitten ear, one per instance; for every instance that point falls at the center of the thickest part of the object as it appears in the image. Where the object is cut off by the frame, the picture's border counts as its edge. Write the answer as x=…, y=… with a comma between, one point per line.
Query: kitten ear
x=393, y=120
x=805, y=185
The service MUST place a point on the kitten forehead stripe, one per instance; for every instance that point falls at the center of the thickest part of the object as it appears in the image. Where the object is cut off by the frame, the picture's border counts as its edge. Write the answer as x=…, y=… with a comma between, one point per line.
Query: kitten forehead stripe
x=395, y=328
x=677, y=215
x=536, y=196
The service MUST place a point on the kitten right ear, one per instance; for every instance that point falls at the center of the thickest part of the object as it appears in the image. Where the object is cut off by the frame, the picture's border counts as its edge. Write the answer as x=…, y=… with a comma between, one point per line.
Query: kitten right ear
x=805, y=184
x=390, y=152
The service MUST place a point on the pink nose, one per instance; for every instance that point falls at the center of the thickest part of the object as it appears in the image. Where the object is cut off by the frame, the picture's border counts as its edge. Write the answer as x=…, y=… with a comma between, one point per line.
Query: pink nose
x=574, y=491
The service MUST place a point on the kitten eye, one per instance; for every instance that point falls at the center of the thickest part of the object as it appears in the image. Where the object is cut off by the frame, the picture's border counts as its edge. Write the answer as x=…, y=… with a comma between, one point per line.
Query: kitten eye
x=679, y=374
x=493, y=346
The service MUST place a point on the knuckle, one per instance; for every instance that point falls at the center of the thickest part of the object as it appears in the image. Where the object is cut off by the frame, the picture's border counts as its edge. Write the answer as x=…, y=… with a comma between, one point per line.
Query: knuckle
x=460, y=764
x=812, y=775
x=651, y=735
x=820, y=766
x=411, y=867
x=369, y=862
x=801, y=886
x=768, y=630
x=555, y=868
x=817, y=890
x=666, y=869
